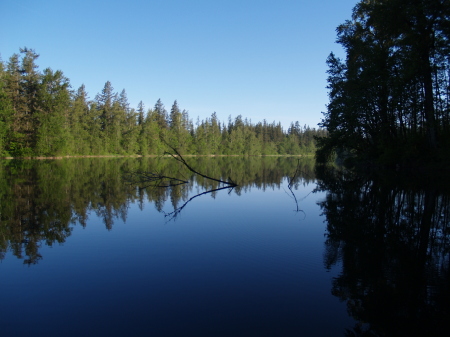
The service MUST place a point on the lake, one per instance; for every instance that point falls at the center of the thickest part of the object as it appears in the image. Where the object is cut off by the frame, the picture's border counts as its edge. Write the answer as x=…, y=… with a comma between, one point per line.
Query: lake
x=88, y=248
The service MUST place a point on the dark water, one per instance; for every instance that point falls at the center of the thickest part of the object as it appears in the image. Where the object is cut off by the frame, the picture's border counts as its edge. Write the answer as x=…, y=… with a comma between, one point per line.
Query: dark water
x=86, y=253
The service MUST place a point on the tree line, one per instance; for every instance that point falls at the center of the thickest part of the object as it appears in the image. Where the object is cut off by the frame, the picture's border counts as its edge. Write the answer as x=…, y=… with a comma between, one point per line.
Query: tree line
x=390, y=97
x=40, y=115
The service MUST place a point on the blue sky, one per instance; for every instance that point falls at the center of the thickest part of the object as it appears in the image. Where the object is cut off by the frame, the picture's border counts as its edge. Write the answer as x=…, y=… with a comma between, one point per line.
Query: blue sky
x=261, y=59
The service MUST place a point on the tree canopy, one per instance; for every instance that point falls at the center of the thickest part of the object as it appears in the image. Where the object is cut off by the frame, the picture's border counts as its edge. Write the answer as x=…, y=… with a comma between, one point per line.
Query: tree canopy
x=390, y=97
x=41, y=115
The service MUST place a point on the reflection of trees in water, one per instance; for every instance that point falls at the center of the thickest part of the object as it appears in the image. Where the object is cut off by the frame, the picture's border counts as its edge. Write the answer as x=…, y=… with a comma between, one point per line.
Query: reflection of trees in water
x=392, y=239
x=41, y=201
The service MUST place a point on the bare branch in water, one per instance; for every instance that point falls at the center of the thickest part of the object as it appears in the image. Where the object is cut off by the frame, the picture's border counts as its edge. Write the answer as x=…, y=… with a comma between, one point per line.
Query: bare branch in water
x=177, y=156
x=155, y=179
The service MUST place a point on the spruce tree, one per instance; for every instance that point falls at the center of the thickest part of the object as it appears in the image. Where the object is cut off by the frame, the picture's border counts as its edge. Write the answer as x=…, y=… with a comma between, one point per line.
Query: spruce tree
x=52, y=117
x=80, y=123
x=6, y=112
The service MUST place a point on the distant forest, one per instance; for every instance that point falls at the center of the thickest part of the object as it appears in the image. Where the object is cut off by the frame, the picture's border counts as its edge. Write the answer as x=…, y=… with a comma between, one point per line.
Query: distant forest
x=40, y=115
x=390, y=97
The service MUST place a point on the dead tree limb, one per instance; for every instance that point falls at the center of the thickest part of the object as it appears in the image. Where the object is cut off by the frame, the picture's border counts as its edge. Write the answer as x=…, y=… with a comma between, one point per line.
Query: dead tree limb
x=155, y=179
x=177, y=156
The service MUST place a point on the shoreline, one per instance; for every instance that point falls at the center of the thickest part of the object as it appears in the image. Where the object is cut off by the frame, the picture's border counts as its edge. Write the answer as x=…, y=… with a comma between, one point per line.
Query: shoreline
x=151, y=156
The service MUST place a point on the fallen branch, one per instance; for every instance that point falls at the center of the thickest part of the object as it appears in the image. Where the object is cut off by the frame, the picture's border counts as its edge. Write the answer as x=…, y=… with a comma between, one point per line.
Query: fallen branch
x=159, y=180
x=177, y=156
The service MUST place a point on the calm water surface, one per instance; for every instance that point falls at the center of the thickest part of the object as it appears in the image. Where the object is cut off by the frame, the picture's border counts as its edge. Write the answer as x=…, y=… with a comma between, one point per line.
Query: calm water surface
x=87, y=253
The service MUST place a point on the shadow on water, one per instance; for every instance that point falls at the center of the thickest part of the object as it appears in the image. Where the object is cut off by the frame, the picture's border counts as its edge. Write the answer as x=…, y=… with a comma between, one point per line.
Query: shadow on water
x=390, y=232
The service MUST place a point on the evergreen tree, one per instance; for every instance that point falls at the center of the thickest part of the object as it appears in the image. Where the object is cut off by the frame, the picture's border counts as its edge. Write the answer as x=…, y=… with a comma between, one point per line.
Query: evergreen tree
x=51, y=119
x=175, y=117
x=6, y=112
x=80, y=122
x=178, y=135
x=104, y=103
x=141, y=110
x=214, y=137
x=130, y=133
x=116, y=128
x=187, y=132
x=29, y=90
x=161, y=115
x=39, y=115
x=153, y=134
x=123, y=101
x=12, y=83
x=201, y=137
x=387, y=99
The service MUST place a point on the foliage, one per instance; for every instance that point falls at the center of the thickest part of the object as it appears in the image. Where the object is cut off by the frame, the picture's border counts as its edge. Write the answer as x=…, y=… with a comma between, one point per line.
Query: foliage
x=389, y=99
x=40, y=115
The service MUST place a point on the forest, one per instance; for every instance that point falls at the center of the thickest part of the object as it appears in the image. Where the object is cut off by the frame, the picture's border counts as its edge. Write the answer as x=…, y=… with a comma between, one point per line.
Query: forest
x=42, y=116
x=389, y=100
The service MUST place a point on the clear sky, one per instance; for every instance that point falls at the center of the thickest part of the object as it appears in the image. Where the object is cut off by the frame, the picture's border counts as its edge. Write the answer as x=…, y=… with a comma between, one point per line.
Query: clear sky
x=262, y=59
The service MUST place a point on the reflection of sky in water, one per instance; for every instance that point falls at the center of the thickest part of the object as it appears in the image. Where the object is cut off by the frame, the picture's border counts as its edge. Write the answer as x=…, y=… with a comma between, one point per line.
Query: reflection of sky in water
x=233, y=265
